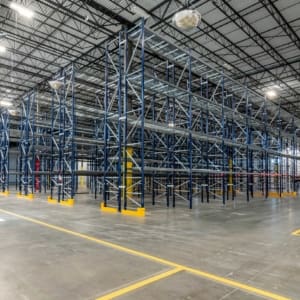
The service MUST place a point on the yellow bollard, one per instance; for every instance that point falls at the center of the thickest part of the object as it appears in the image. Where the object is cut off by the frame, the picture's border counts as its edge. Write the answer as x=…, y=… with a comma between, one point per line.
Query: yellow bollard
x=230, y=179
x=128, y=181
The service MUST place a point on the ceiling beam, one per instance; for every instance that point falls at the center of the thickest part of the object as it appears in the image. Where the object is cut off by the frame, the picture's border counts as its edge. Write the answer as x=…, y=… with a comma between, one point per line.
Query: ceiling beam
x=99, y=7
x=279, y=18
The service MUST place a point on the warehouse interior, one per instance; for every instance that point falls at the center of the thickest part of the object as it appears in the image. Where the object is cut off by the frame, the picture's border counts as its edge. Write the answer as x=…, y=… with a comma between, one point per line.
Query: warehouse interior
x=150, y=149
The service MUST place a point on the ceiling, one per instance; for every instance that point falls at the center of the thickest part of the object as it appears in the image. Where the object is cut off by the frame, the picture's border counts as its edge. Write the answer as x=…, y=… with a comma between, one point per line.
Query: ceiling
x=256, y=42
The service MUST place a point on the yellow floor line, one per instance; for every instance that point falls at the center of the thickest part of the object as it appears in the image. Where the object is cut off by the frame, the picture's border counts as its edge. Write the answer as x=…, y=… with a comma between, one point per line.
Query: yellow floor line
x=296, y=232
x=209, y=276
x=139, y=284
x=236, y=284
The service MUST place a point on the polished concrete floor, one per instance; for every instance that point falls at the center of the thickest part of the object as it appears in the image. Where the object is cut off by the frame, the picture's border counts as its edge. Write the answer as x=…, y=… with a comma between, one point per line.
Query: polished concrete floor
x=247, y=243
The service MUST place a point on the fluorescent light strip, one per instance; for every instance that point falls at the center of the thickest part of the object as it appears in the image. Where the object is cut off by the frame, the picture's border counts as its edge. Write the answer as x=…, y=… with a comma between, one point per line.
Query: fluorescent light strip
x=22, y=10
x=2, y=49
x=5, y=103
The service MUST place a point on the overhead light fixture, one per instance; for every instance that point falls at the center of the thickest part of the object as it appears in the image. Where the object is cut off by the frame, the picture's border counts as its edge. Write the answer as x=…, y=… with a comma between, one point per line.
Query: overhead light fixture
x=5, y=103
x=12, y=112
x=187, y=19
x=55, y=84
x=271, y=94
x=273, y=91
x=22, y=10
x=171, y=124
x=227, y=66
x=2, y=49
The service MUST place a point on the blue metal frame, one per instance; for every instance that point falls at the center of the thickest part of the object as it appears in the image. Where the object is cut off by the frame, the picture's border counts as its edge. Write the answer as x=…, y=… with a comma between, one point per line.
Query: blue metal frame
x=4, y=150
x=193, y=137
x=27, y=145
x=63, y=125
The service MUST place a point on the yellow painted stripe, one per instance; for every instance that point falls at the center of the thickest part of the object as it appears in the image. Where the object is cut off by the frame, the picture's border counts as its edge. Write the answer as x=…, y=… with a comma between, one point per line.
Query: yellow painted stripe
x=209, y=276
x=139, y=284
x=236, y=284
x=93, y=239
x=296, y=232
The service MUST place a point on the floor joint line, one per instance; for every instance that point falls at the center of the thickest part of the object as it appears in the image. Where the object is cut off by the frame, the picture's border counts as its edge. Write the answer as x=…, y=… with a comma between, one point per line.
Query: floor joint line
x=139, y=284
x=209, y=276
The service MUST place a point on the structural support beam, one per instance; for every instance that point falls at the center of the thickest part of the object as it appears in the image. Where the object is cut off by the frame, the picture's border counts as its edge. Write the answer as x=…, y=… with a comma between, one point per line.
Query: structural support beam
x=4, y=151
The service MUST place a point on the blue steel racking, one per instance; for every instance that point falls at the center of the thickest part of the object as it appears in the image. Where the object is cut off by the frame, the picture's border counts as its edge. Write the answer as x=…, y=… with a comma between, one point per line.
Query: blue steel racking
x=27, y=146
x=63, y=149
x=4, y=150
x=123, y=188
x=96, y=163
x=43, y=148
x=157, y=125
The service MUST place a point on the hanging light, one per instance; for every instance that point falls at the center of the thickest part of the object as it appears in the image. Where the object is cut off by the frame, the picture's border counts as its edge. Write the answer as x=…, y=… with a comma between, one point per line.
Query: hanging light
x=22, y=10
x=2, y=49
x=12, y=112
x=55, y=84
x=271, y=94
x=187, y=19
x=5, y=103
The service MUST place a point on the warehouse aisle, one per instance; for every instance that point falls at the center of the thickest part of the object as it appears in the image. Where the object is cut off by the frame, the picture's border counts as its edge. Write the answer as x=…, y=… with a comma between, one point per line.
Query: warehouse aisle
x=249, y=246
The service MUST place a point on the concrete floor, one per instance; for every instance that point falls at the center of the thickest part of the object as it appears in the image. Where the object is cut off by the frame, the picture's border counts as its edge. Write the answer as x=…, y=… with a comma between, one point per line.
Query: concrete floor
x=249, y=243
